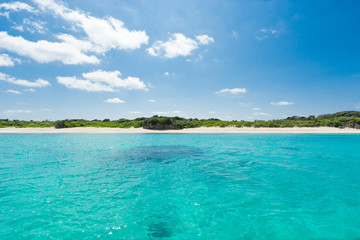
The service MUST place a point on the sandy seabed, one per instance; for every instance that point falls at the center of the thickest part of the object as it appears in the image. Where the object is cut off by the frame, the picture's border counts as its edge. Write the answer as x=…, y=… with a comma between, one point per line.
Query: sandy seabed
x=188, y=130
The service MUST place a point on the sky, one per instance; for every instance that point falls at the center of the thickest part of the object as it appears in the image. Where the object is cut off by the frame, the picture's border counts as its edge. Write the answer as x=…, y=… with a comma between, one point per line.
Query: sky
x=233, y=60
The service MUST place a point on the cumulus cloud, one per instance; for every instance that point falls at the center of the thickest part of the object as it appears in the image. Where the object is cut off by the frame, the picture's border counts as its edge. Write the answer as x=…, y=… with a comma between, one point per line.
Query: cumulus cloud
x=13, y=112
x=168, y=74
x=282, y=103
x=7, y=61
x=106, y=32
x=13, y=91
x=102, y=34
x=81, y=84
x=37, y=83
x=98, y=81
x=204, y=39
x=82, y=45
x=44, y=51
x=177, y=45
x=114, y=100
x=256, y=109
x=151, y=100
x=233, y=91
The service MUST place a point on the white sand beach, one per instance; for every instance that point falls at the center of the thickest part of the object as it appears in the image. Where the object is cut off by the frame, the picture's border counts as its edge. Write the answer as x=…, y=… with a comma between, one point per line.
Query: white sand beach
x=207, y=130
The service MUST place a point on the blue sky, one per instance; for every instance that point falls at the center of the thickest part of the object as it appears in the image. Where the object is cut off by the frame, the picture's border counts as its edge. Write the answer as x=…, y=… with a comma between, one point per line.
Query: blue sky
x=242, y=60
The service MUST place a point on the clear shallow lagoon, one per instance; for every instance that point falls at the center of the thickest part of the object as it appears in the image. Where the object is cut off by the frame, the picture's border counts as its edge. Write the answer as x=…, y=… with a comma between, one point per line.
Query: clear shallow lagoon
x=179, y=186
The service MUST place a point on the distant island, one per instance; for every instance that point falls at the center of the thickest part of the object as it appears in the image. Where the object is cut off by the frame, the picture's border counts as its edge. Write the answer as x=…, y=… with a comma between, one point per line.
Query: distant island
x=345, y=119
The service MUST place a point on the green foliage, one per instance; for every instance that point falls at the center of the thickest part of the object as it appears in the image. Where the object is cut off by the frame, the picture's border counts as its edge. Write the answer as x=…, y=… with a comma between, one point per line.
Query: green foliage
x=340, y=114
x=348, y=119
x=157, y=122
x=26, y=124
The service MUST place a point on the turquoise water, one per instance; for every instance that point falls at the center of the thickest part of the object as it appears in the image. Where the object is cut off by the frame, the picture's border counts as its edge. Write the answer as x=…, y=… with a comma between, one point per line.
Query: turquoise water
x=179, y=186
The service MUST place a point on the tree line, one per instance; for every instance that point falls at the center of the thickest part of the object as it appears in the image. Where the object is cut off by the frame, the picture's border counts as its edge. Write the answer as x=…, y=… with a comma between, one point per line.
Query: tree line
x=346, y=119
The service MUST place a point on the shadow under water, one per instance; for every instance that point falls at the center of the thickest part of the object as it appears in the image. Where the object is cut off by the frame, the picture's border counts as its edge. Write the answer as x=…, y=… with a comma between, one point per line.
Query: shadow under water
x=168, y=153
x=291, y=148
x=161, y=227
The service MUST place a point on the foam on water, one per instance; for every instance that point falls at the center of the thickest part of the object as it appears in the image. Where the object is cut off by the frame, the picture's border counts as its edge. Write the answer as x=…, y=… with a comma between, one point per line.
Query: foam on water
x=179, y=186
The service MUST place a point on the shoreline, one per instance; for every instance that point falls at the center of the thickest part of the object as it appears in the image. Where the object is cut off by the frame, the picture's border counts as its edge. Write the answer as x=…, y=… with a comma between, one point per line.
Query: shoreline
x=206, y=130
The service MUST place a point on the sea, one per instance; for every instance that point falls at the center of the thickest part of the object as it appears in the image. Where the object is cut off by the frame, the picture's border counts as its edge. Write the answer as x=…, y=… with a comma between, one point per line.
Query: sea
x=180, y=186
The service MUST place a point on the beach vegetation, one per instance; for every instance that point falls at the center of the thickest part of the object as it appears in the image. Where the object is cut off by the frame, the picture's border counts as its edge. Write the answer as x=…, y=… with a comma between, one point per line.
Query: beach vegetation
x=346, y=119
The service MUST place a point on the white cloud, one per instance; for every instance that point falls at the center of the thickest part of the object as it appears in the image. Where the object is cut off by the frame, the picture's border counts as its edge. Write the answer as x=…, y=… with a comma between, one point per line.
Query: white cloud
x=32, y=26
x=114, y=100
x=75, y=83
x=19, y=28
x=17, y=6
x=256, y=109
x=212, y=112
x=160, y=113
x=235, y=35
x=43, y=51
x=199, y=58
x=265, y=33
x=204, y=39
x=82, y=45
x=105, y=32
x=13, y=91
x=357, y=106
x=152, y=100
x=7, y=61
x=100, y=80
x=113, y=80
x=102, y=35
x=13, y=112
x=261, y=38
x=177, y=45
x=45, y=110
x=168, y=74
x=232, y=91
x=177, y=111
x=134, y=112
x=282, y=103
x=37, y=83
x=261, y=114
x=269, y=30
x=245, y=104
x=30, y=90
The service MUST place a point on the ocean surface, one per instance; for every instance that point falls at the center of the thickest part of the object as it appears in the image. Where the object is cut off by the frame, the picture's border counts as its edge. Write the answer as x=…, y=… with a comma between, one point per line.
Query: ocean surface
x=180, y=186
